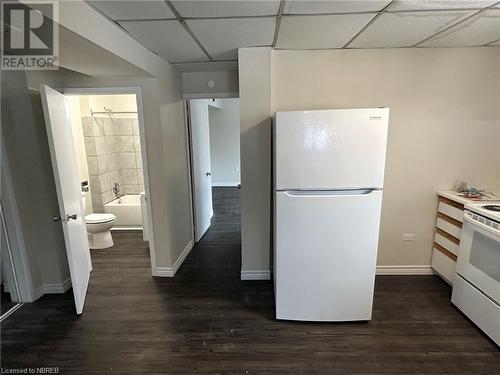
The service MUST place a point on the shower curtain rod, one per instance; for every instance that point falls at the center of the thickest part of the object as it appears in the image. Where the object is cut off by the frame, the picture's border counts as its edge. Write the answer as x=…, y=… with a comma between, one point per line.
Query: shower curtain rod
x=110, y=112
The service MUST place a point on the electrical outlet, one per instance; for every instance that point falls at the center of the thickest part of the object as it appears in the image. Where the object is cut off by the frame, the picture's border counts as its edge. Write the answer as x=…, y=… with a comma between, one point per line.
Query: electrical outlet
x=408, y=237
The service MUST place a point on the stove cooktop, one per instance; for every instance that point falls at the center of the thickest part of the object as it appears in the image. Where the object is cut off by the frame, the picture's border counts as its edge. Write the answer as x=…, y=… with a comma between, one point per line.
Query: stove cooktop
x=490, y=210
x=492, y=207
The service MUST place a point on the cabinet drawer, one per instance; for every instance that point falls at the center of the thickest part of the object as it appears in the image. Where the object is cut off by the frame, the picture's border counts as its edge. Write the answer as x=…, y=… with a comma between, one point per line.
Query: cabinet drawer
x=448, y=227
x=451, y=211
x=446, y=241
x=443, y=265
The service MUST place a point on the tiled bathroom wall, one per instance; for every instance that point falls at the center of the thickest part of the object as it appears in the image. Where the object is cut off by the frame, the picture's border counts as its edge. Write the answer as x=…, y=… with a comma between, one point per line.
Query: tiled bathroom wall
x=113, y=151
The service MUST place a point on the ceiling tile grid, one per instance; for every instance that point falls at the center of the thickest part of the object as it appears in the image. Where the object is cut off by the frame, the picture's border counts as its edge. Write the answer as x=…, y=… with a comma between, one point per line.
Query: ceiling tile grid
x=168, y=39
x=210, y=31
x=424, y=5
x=225, y=8
x=320, y=31
x=134, y=10
x=333, y=7
x=476, y=31
x=222, y=37
x=405, y=29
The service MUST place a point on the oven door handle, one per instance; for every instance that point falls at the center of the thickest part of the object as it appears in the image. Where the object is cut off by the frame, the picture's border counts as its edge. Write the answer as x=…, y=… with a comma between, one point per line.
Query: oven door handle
x=485, y=227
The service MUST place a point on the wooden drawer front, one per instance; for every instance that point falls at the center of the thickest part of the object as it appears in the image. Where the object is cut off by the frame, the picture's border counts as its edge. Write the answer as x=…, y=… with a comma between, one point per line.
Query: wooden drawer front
x=451, y=211
x=444, y=266
x=446, y=241
x=448, y=227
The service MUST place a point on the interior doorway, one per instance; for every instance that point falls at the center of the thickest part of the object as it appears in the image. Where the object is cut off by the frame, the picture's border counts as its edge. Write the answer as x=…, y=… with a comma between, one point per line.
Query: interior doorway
x=98, y=152
x=214, y=143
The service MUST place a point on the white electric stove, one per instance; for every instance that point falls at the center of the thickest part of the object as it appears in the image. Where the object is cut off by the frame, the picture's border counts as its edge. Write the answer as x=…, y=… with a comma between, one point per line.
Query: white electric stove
x=476, y=288
x=487, y=209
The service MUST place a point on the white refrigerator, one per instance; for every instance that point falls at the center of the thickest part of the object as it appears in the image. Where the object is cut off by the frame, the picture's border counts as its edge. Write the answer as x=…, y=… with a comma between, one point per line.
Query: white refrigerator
x=328, y=180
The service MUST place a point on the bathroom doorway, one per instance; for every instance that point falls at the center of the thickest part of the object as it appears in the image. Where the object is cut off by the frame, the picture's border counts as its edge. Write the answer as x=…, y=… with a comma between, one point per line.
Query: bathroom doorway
x=96, y=139
x=109, y=157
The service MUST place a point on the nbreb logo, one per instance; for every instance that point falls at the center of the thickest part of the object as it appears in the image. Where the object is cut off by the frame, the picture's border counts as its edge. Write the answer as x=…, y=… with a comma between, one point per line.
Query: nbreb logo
x=30, y=35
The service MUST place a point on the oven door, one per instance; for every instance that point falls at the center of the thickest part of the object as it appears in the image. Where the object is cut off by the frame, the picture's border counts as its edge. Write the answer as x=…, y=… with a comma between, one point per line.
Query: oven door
x=479, y=257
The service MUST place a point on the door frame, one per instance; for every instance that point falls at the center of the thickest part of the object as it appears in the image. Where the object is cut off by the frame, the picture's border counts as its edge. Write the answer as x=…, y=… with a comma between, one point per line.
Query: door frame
x=75, y=91
x=192, y=208
x=187, y=127
x=192, y=179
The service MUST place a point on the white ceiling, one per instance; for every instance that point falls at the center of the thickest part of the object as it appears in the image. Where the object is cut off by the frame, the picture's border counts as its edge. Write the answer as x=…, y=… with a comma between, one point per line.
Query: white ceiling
x=333, y=31
x=405, y=29
x=339, y=6
x=188, y=32
x=222, y=37
x=473, y=32
x=167, y=38
x=135, y=10
x=226, y=8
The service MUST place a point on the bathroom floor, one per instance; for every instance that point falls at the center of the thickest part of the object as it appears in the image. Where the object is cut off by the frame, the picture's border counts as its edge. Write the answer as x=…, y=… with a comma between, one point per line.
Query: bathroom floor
x=207, y=321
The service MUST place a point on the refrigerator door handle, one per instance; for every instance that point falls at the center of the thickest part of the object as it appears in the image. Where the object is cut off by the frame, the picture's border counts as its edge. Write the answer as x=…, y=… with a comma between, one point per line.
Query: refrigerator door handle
x=302, y=193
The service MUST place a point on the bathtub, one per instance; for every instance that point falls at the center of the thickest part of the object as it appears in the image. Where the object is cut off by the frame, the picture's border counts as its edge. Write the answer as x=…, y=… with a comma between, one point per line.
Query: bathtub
x=127, y=210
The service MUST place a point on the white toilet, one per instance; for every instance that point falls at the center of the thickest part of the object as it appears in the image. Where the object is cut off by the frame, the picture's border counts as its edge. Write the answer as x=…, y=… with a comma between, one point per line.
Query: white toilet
x=99, y=228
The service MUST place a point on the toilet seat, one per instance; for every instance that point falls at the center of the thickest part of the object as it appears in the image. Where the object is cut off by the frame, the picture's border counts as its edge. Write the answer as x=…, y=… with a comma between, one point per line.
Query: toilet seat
x=99, y=218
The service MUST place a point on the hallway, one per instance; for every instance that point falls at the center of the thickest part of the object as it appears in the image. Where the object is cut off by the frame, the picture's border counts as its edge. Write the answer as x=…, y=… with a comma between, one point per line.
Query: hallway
x=206, y=320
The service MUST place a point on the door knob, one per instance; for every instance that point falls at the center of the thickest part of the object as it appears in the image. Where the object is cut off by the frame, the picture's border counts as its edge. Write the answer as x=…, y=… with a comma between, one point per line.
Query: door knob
x=67, y=218
x=209, y=174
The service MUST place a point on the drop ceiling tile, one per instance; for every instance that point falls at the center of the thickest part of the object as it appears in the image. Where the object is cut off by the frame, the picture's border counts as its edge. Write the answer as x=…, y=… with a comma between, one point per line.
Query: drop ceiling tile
x=403, y=5
x=168, y=39
x=476, y=31
x=134, y=10
x=227, y=8
x=334, y=6
x=405, y=29
x=223, y=37
x=320, y=32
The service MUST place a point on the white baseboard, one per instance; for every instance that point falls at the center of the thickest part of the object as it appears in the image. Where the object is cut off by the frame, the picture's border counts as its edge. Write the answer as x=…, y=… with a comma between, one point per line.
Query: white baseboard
x=404, y=270
x=225, y=184
x=256, y=275
x=52, y=289
x=170, y=271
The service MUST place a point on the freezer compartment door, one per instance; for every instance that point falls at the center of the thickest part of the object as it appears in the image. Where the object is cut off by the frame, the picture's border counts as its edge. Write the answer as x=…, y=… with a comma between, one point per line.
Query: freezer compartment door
x=330, y=149
x=325, y=254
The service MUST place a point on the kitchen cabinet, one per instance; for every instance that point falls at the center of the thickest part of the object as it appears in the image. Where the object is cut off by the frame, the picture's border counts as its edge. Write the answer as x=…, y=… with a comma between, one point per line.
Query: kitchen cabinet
x=447, y=234
x=448, y=231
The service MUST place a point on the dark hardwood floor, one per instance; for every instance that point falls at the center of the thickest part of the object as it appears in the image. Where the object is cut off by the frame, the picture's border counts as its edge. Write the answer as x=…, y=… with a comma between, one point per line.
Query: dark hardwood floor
x=207, y=321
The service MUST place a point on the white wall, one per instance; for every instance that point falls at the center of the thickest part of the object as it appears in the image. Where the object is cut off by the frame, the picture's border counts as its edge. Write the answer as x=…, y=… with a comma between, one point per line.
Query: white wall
x=32, y=182
x=79, y=144
x=166, y=137
x=23, y=130
x=195, y=84
x=255, y=131
x=444, y=126
x=118, y=103
x=225, y=143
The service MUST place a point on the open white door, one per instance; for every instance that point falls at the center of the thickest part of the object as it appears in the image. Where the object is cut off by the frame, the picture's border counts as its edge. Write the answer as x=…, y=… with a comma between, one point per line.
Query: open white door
x=200, y=159
x=67, y=182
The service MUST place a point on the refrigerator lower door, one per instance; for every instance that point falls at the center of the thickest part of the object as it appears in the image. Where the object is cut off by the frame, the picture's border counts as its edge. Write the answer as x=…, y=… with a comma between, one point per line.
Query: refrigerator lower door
x=325, y=254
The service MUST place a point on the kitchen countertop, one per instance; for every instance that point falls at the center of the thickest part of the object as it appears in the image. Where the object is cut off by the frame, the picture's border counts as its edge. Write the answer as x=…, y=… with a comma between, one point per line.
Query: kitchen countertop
x=456, y=197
